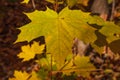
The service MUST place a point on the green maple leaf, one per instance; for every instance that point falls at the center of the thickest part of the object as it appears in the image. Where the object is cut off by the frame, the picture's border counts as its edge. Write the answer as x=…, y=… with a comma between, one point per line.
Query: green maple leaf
x=59, y=30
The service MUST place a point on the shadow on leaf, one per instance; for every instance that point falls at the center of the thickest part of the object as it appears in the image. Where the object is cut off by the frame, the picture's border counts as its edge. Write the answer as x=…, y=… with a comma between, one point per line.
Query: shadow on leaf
x=115, y=46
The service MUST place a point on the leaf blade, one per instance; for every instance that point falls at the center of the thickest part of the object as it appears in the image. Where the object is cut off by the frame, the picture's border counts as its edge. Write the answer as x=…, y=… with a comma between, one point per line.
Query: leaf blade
x=29, y=52
x=60, y=28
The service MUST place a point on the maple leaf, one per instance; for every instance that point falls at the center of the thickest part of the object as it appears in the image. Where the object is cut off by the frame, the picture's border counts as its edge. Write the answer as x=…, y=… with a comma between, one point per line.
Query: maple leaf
x=110, y=30
x=29, y=52
x=25, y=1
x=72, y=3
x=83, y=65
x=109, y=33
x=68, y=67
x=60, y=28
x=83, y=2
x=83, y=62
x=46, y=62
x=51, y=1
x=34, y=76
x=19, y=75
x=24, y=76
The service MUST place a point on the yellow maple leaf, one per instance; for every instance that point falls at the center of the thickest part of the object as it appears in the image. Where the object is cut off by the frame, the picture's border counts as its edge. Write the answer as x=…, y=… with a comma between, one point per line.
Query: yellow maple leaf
x=25, y=1
x=20, y=76
x=29, y=52
x=34, y=76
x=24, y=76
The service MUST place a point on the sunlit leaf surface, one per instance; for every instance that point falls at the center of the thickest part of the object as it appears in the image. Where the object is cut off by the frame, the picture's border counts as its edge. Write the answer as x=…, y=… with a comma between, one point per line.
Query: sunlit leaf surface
x=60, y=28
x=29, y=52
